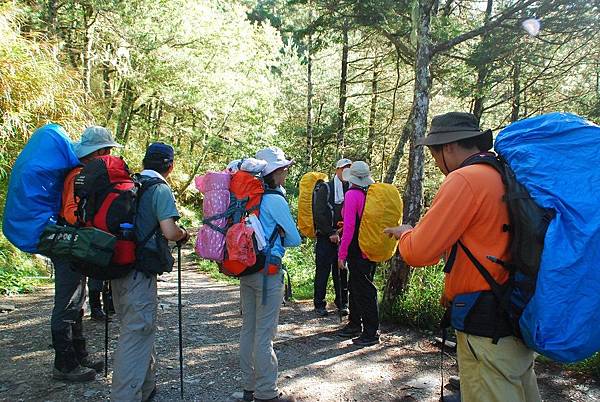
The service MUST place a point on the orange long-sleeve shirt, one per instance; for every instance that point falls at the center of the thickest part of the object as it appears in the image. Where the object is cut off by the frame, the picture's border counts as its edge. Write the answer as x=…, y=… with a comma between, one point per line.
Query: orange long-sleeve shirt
x=69, y=205
x=469, y=207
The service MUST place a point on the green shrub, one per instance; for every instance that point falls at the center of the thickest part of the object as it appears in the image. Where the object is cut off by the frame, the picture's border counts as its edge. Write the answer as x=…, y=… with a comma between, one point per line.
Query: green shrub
x=419, y=306
x=590, y=366
x=19, y=272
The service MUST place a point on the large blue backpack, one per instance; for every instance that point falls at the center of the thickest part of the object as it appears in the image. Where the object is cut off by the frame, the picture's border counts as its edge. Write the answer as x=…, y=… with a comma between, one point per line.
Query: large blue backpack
x=35, y=186
x=556, y=157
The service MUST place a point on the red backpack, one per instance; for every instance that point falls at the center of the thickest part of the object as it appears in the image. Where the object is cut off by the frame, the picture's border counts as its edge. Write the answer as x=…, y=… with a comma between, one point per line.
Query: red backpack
x=106, y=199
x=241, y=250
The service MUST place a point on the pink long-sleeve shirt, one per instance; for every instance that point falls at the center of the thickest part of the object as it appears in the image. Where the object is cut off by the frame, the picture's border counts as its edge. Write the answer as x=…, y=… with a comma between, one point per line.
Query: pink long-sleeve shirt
x=354, y=203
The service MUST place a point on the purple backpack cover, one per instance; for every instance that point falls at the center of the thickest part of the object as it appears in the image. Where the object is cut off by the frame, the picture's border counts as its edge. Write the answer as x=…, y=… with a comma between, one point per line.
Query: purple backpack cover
x=210, y=243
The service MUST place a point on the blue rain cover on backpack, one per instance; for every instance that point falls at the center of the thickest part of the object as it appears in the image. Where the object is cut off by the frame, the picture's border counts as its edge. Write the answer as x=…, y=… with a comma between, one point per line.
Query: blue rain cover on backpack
x=556, y=157
x=35, y=186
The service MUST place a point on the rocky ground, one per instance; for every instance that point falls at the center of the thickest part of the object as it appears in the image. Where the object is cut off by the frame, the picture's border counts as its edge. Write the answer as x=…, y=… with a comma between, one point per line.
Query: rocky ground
x=315, y=364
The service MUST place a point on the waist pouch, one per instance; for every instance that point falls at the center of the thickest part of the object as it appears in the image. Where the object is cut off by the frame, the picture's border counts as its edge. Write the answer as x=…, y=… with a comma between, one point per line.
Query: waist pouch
x=86, y=244
x=479, y=313
x=273, y=266
x=154, y=256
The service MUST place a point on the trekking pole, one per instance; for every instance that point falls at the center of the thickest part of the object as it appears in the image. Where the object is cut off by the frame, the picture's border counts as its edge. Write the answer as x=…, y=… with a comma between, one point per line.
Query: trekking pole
x=179, y=308
x=338, y=290
x=105, y=291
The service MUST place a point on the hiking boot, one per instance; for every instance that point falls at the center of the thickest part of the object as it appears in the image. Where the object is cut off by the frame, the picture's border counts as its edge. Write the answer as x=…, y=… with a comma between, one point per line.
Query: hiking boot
x=454, y=382
x=96, y=365
x=349, y=331
x=98, y=315
x=279, y=398
x=83, y=357
x=321, y=311
x=78, y=374
x=365, y=340
x=344, y=311
x=248, y=396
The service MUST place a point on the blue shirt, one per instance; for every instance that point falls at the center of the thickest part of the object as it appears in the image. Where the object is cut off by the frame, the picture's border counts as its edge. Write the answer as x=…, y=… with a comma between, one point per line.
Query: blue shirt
x=274, y=210
x=156, y=205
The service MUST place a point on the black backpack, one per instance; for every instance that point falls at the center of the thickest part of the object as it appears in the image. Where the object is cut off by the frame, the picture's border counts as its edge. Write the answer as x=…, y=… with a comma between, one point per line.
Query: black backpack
x=527, y=227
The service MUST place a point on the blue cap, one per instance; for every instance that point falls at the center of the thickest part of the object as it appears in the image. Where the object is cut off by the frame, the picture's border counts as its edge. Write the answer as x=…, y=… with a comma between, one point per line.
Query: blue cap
x=160, y=151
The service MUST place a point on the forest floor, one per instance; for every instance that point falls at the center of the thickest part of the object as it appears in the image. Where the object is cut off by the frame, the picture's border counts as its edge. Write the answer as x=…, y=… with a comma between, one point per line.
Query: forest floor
x=314, y=363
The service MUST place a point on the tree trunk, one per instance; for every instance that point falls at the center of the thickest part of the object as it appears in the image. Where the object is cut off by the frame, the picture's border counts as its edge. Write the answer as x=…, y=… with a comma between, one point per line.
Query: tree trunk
x=309, y=98
x=482, y=69
x=516, y=98
x=343, y=95
x=417, y=125
x=373, y=113
x=125, y=112
x=88, y=30
x=158, y=111
x=51, y=13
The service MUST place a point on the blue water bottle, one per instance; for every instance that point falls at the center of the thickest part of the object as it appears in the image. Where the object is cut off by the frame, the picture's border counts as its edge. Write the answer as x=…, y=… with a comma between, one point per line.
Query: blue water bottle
x=126, y=231
x=125, y=247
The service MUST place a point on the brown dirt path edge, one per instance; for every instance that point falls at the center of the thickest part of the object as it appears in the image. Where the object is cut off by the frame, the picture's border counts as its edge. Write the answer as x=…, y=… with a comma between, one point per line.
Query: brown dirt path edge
x=314, y=364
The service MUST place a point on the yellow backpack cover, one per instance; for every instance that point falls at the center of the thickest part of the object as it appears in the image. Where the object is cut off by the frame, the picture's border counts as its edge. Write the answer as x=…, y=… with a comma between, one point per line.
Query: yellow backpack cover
x=305, y=202
x=383, y=208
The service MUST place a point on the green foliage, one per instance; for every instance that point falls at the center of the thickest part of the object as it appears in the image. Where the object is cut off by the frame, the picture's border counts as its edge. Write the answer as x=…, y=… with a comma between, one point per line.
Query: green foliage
x=590, y=366
x=419, y=306
x=300, y=263
x=19, y=272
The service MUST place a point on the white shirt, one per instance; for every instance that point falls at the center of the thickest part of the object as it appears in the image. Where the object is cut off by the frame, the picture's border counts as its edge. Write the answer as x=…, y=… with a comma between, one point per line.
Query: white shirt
x=339, y=190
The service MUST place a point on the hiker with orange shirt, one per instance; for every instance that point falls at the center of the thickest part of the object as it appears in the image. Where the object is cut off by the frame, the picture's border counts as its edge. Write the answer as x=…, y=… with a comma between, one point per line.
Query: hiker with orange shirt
x=71, y=361
x=468, y=213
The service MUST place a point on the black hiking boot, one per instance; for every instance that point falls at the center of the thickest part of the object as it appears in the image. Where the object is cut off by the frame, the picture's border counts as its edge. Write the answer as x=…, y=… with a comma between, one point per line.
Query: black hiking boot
x=98, y=315
x=366, y=340
x=350, y=331
x=83, y=357
x=248, y=396
x=96, y=312
x=343, y=311
x=321, y=311
x=454, y=382
x=67, y=368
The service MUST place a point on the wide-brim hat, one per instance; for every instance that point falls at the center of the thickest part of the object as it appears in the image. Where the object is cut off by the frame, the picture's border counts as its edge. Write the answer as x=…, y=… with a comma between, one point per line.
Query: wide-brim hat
x=452, y=127
x=359, y=174
x=275, y=159
x=93, y=139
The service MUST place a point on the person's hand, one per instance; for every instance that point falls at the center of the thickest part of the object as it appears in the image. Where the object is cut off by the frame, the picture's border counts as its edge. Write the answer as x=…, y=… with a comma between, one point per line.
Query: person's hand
x=397, y=231
x=341, y=265
x=334, y=238
x=185, y=238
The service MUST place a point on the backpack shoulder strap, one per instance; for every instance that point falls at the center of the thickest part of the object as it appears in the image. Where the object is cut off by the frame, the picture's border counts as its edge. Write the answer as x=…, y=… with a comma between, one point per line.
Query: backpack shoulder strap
x=486, y=158
x=145, y=185
x=276, y=192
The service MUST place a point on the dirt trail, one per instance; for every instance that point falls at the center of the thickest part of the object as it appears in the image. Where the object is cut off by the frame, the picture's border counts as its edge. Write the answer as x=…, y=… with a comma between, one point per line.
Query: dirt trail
x=314, y=363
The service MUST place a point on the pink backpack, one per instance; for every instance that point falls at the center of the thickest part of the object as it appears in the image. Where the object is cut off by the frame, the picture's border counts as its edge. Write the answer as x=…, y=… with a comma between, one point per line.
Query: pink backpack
x=210, y=243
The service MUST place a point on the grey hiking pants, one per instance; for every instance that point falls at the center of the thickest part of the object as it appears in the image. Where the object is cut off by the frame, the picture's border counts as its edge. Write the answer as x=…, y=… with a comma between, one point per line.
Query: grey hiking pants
x=69, y=296
x=135, y=299
x=258, y=361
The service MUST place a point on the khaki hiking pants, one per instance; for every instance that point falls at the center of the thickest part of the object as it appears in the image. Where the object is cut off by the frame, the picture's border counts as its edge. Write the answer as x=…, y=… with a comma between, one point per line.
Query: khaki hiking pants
x=258, y=361
x=135, y=300
x=495, y=373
